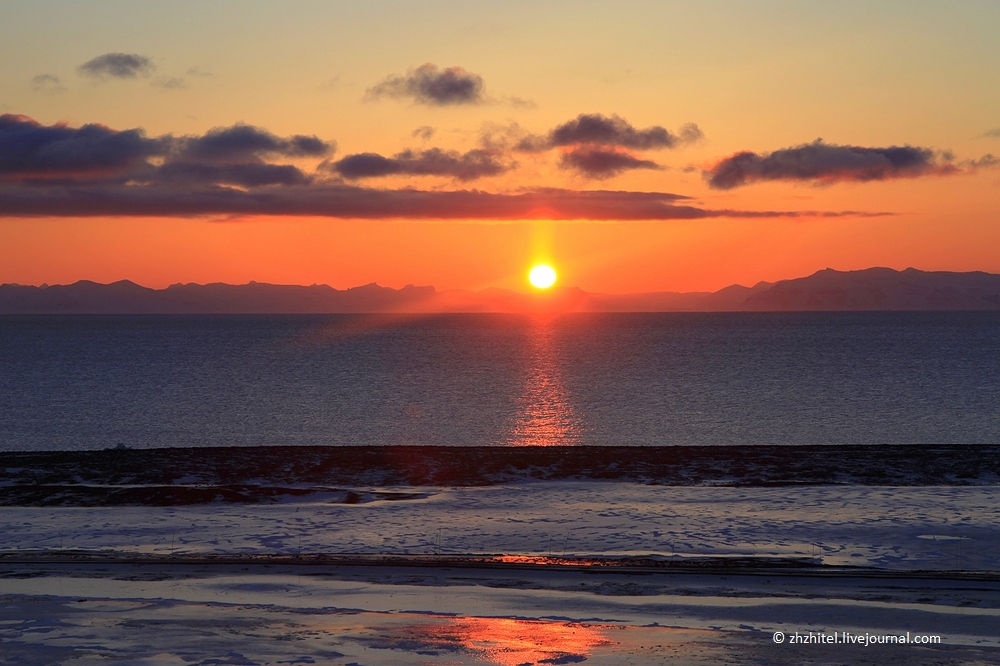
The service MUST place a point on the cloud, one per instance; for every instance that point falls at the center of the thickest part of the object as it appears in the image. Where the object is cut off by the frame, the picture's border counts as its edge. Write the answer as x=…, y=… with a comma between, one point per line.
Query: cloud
x=170, y=82
x=987, y=161
x=828, y=163
x=428, y=84
x=690, y=133
x=602, y=162
x=94, y=170
x=224, y=155
x=594, y=145
x=474, y=164
x=597, y=129
x=424, y=132
x=520, y=102
x=496, y=136
x=117, y=66
x=179, y=82
x=47, y=83
x=246, y=142
x=241, y=175
x=340, y=201
x=993, y=133
x=29, y=149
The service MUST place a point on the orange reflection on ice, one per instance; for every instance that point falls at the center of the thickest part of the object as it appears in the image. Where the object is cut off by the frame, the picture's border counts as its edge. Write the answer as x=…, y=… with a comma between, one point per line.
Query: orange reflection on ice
x=545, y=415
x=547, y=560
x=514, y=642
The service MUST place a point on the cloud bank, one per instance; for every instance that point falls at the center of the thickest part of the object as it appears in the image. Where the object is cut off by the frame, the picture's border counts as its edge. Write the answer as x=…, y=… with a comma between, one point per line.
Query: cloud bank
x=341, y=201
x=593, y=145
x=93, y=170
x=30, y=151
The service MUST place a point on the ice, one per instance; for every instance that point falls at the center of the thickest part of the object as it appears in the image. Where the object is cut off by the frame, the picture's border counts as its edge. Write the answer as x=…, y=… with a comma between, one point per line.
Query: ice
x=936, y=527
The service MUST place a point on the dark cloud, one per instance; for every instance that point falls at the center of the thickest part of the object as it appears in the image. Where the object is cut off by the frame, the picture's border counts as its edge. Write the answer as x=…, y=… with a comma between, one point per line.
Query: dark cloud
x=828, y=163
x=246, y=142
x=29, y=149
x=993, y=133
x=338, y=201
x=597, y=129
x=474, y=164
x=428, y=84
x=594, y=145
x=587, y=130
x=603, y=162
x=118, y=66
x=93, y=170
x=242, y=175
x=364, y=165
x=48, y=83
x=224, y=155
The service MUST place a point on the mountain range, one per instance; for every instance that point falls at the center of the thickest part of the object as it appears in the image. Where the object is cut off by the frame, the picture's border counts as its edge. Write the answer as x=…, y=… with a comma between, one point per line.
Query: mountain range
x=825, y=290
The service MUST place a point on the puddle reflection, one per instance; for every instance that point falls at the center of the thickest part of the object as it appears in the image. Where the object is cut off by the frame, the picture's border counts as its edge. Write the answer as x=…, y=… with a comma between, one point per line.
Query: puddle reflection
x=509, y=642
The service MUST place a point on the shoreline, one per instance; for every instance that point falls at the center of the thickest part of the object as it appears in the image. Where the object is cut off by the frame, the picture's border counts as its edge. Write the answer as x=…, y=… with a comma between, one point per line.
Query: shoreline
x=719, y=566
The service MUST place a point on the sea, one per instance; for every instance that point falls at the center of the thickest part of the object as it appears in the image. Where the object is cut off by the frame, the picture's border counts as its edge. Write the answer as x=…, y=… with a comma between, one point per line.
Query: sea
x=77, y=383
x=847, y=439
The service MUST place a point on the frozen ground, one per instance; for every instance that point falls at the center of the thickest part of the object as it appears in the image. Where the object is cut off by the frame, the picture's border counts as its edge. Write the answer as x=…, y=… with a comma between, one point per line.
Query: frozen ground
x=928, y=527
x=170, y=613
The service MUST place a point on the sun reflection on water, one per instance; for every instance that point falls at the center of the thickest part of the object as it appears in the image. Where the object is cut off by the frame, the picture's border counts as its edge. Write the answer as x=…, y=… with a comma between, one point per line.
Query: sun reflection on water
x=509, y=642
x=545, y=415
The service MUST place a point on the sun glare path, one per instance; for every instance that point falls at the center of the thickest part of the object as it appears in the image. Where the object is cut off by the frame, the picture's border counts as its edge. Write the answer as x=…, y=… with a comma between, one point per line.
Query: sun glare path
x=542, y=276
x=545, y=414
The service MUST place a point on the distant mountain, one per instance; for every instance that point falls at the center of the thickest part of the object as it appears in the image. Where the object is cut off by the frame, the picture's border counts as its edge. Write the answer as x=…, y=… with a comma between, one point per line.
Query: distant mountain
x=124, y=297
x=826, y=290
x=881, y=289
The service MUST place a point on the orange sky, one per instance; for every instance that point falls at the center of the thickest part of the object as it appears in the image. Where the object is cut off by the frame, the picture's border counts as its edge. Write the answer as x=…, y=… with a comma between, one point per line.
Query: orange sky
x=768, y=80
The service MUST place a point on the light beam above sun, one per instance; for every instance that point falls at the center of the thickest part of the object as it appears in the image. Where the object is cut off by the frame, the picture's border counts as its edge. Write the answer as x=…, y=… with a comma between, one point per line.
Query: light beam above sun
x=542, y=276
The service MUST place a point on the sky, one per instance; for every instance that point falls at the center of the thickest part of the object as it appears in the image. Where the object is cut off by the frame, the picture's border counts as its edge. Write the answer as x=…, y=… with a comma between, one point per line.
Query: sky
x=635, y=146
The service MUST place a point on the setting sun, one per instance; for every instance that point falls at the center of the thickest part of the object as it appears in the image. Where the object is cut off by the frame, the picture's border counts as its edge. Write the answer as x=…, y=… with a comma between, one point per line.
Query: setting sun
x=542, y=276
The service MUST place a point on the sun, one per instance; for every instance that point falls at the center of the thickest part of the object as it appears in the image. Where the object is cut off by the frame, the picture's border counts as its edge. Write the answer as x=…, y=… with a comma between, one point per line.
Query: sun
x=542, y=276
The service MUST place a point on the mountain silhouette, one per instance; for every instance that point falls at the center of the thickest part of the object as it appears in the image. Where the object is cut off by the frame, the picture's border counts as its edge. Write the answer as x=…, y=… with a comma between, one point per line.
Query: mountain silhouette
x=825, y=290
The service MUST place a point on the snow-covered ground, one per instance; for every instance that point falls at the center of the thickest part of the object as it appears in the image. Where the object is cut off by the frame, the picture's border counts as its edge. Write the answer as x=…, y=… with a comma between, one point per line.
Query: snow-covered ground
x=170, y=613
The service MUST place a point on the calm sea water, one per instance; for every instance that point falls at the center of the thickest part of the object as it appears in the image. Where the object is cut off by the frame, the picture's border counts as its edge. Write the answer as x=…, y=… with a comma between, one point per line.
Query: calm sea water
x=75, y=383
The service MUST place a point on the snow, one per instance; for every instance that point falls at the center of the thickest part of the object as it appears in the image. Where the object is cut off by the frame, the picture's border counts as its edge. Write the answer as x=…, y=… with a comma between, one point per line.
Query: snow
x=272, y=613
x=944, y=527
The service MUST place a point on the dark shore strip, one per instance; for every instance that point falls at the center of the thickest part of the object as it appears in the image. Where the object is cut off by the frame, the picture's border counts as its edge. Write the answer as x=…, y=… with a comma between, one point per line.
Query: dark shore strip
x=178, y=476
x=12, y=561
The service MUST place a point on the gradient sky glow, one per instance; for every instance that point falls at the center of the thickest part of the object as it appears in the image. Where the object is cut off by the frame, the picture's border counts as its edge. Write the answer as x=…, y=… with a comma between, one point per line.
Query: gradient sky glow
x=501, y=167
